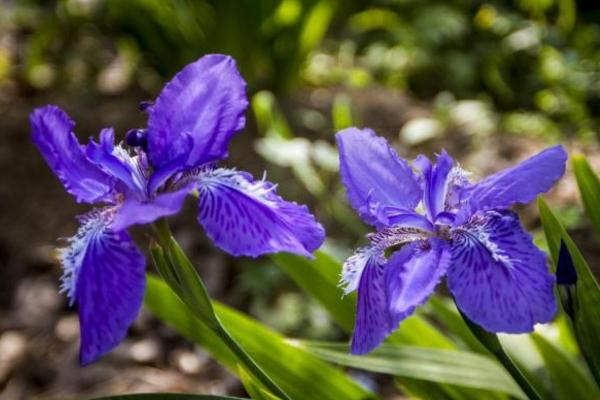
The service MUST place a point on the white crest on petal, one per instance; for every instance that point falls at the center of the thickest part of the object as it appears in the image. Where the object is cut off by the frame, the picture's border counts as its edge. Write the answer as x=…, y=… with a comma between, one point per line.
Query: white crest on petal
x=137, y=164
x=478, y=229
x=261, y=190
x=353, y=267
x=71, y=257
x=458, y=178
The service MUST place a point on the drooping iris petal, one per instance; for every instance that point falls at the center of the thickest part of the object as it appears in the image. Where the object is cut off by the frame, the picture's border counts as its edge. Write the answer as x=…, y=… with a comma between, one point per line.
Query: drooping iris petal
x=206, y=100
x=104, y=274
x=412, y=273
x=374, y=176
x=52, y=132
x=373, y=320
x=518, y=184
x=498, y=277
x=116, y=161
x=134, y=212
x=353, y=268
x=247, y=217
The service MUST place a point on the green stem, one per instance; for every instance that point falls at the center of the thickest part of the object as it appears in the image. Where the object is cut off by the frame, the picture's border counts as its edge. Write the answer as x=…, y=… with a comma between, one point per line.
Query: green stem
x=517, y=375
x=163, y=232
x=182, y=287
x=492, y=343
x=249, y=363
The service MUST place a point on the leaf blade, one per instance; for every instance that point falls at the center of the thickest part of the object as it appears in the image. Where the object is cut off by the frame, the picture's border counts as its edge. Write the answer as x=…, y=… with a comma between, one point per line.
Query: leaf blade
x=586, y=320
x=434, y=365
x=300, y=374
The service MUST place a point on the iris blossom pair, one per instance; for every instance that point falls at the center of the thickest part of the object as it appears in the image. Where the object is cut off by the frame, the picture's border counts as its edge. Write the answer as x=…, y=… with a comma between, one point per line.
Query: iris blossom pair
x=497, y=276
x=189, y=128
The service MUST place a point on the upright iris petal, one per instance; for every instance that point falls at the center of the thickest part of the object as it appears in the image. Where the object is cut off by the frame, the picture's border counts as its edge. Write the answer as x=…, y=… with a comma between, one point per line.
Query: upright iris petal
x=497, y=276
x=207, y=100
x=377, y=181
x=436, y=184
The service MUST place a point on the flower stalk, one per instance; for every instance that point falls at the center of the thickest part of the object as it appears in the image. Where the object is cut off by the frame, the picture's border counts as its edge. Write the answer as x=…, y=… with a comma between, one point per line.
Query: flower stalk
x=177, y=270
x=491, y=342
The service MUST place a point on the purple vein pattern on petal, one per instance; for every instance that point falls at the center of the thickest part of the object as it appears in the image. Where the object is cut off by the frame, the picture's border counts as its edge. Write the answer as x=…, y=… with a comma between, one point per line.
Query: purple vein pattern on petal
x=498, y=277
x=52, y=132
x=104, y=274
x=246, y=217
x=373, y=320
x=518, y=184
x=205, y=100
x=376, y=179
x=412, y=273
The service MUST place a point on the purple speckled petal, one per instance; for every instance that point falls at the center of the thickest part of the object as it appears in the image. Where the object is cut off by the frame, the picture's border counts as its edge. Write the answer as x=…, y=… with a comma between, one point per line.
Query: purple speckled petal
x=373, y=319
x=52, y=132
x=246, y=217
x=412, y=273
x=206, y=100
x=518, y=184
x=376, y=179
x=498, y=277
x=104, y=274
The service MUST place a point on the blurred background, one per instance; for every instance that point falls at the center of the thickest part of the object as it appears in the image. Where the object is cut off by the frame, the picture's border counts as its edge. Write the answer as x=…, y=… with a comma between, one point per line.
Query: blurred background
x=490, y=81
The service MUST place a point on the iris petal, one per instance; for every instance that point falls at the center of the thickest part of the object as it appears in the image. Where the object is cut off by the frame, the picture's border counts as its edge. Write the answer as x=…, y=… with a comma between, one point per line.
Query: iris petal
x=498, y=277
x=52, y=132
x=134, y=212
x=373, y=319
x=117, y=162
x=246, y=217
x=436, y=185
x=376, y=179
x=206, y=100
x=104, y=275
x=518, y=184
x=389, y=291
x=412, y=273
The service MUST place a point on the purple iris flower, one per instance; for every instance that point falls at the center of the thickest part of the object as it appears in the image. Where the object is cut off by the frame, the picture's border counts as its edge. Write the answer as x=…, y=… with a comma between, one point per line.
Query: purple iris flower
x=498, y=277
x=189, y=127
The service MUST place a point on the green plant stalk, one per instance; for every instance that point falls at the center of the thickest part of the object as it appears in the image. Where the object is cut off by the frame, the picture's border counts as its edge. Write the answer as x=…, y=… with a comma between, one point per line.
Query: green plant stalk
x=167, y=242
x=492, y=343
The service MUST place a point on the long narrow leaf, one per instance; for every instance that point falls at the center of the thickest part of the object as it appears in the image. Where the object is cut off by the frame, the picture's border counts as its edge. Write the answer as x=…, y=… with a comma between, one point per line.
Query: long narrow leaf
x=586, y=322
x=299, y=373
x=589, y=187
x=319, y=278
x=568, y=380
x=435, y=365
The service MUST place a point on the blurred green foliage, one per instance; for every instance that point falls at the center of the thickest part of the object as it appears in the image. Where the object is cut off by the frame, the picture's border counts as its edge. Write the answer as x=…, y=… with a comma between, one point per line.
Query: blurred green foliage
x=535, y=62
x=65, y=41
